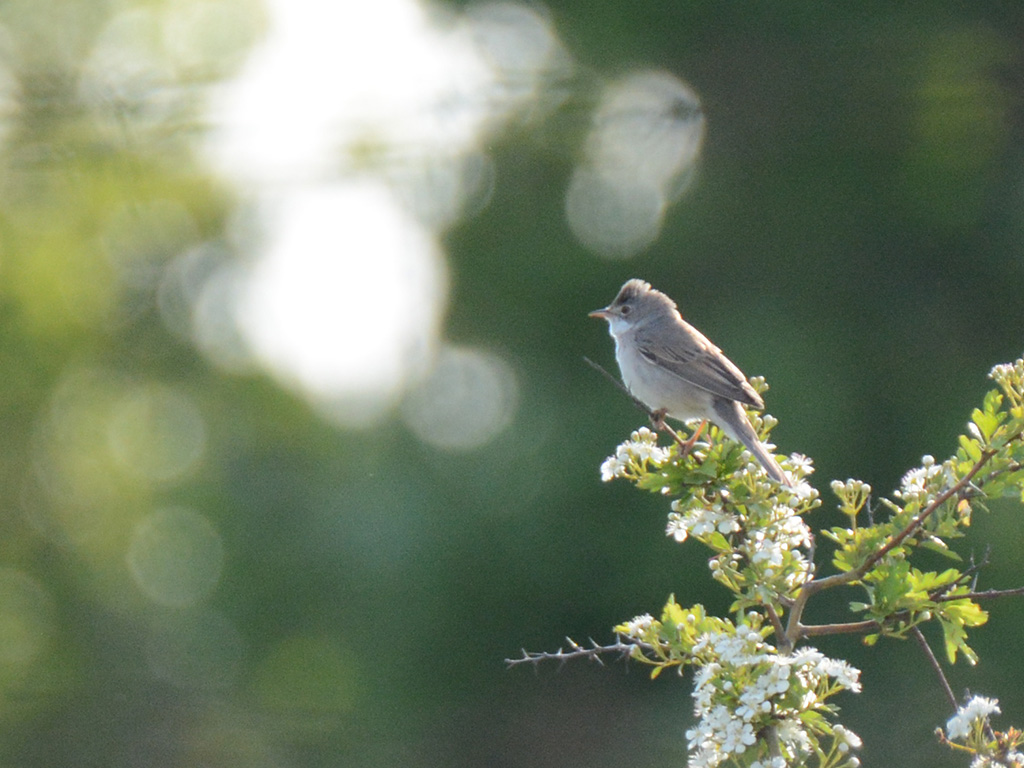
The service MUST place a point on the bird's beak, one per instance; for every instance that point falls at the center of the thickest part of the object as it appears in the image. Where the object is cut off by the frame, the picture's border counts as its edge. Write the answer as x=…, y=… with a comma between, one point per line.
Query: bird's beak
x=603, y=313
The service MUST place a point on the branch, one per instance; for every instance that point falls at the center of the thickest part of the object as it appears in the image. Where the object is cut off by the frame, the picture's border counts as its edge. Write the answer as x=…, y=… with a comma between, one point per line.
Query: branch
x=576, y=651
x=987, y=594
x=846, y=628
x=814, y=586
x=773, y=616
x=639, y=404
x=916, y=632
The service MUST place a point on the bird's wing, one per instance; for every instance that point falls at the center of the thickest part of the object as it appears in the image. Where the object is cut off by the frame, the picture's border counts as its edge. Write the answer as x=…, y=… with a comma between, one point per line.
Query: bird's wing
x=687, y=353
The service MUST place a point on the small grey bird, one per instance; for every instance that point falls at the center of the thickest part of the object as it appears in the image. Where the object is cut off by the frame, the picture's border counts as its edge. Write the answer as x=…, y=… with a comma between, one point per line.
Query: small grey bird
x=674, y=370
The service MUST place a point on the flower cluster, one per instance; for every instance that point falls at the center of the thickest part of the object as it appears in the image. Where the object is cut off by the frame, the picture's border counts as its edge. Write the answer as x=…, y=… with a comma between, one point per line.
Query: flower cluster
x=1010, y=378
x=743, y=685
x=922, y=483
x=766, y=706
x=631, y=458
x=971, y=716
x=775, y=545
x=758, y=540
x=700, y=522
x=970, y=730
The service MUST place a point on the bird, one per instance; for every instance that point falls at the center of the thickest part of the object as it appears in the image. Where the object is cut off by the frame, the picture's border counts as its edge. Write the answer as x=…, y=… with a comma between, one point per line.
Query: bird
x=674, y=369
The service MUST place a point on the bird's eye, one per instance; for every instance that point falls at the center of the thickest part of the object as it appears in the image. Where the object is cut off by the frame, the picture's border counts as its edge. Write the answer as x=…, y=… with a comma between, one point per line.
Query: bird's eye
x=625, y=309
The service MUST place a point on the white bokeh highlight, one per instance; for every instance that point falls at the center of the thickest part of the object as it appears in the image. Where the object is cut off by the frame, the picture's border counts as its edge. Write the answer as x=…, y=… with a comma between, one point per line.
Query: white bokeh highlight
x=348, y=296
x=645, y=138
x=357, y=132
x=467, y=399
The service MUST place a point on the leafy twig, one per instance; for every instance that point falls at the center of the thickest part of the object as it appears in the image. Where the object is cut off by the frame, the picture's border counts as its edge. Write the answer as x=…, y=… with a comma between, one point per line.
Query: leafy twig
x=814, y=586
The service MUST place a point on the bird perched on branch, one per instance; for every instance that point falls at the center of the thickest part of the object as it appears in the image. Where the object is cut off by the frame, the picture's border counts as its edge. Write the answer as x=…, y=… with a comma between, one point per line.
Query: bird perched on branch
x=675, y=371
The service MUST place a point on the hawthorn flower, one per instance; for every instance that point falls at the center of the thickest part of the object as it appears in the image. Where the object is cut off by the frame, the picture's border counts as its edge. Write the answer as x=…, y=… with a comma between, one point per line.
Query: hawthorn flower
x=700, y=522
x=919, y=483
x=743, y=685
x=633, y=456
x=846, y=739
x=676, y=527
x=978, y=708
x=801, y=465
x=639, y=625
x=1010, y=376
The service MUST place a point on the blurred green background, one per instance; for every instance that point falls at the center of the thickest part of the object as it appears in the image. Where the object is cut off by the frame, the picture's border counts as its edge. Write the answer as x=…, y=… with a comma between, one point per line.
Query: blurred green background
x=299, y=443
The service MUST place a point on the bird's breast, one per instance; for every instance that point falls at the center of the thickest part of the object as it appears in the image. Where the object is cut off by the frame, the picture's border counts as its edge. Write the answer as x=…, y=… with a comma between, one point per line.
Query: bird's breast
x=658, y=388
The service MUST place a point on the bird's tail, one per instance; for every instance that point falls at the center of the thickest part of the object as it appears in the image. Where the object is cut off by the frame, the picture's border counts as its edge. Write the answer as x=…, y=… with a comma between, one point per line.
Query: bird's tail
x=734, y=422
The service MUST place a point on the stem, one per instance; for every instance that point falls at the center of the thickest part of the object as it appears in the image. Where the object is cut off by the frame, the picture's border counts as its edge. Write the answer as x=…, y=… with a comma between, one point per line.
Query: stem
x=780, y=633
x=845, y=628
x=987, y=594
x=916, y=632
x=618, y=384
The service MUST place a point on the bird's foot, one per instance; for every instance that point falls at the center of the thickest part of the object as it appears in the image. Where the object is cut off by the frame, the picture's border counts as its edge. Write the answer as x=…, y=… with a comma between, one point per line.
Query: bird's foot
x=658, y=419
x=686, y=447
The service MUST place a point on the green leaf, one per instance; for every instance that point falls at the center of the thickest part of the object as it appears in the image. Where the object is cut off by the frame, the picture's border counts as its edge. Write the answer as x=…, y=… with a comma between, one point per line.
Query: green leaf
x=993, y=401
x=954, y=617
x=930, y=581
x=653, y=481
x=987, y=422
x=971, y=448
x=941, y=548
x=718, y=542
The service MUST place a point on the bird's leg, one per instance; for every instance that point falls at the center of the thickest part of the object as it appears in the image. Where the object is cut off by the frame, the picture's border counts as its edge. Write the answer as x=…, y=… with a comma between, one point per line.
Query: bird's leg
x=685, y=449
x=685, y=446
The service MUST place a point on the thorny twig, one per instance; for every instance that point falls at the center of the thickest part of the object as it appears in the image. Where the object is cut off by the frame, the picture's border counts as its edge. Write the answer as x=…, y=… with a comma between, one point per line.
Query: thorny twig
x=593, y=652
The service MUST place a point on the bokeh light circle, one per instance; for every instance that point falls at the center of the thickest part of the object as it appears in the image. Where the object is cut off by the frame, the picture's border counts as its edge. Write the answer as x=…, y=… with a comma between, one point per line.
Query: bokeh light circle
x=466, y=400
x=175, y=557
x=156, y=432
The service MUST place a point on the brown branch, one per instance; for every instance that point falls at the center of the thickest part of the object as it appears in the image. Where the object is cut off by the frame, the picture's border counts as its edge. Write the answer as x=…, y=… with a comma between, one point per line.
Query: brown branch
x=773, y=616
x=916, y=632
x=847, y=628
x=814, y=586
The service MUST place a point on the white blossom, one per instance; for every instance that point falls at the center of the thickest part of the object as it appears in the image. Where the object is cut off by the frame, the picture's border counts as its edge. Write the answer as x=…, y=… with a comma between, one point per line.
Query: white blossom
x=676, y=527
x=919, y=483
x=611, y=468
x=744, y=685
x=846, y=739
x=800, y=464
x=637, y=626
x=634, y=454
x=978, y=708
